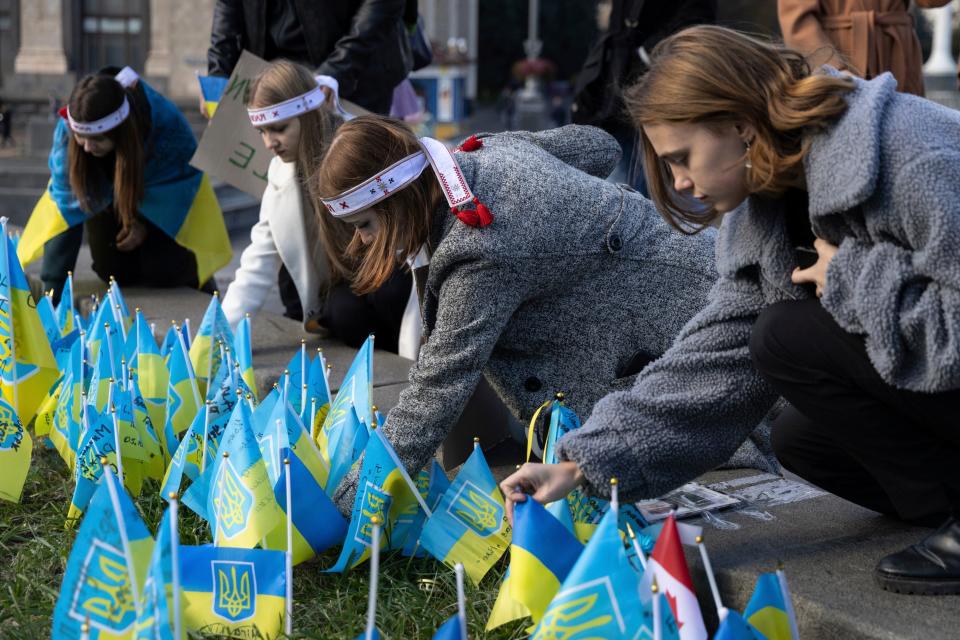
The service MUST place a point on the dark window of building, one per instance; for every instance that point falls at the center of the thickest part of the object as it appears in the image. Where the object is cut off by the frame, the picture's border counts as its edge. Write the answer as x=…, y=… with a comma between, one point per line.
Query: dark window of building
x=113, y=32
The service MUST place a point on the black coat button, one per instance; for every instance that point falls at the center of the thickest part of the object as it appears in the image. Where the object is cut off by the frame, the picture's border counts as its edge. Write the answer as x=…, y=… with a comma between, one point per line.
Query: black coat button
x=615, y=242
x=532, y=384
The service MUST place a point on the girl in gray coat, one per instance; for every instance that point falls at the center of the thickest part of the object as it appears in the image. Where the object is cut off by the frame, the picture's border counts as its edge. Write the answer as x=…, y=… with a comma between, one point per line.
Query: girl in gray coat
x=543, y=278
x=863, y=339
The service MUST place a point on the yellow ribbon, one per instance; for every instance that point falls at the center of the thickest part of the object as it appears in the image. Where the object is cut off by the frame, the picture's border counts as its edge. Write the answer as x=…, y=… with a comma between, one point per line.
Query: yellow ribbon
x=533, y=424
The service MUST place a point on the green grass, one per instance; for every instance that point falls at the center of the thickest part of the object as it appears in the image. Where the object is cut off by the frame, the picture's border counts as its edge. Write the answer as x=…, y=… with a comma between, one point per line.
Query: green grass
x=415, y=595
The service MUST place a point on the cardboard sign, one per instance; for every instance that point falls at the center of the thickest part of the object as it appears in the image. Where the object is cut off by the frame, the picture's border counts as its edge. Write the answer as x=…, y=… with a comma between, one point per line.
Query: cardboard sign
x=231, y=149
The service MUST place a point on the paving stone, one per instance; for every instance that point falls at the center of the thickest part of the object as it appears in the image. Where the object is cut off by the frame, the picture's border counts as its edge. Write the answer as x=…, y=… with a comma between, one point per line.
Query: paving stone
x=829, y=548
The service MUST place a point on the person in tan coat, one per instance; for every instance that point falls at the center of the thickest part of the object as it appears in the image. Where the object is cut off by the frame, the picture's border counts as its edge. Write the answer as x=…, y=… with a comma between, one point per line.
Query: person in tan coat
x=865, y=37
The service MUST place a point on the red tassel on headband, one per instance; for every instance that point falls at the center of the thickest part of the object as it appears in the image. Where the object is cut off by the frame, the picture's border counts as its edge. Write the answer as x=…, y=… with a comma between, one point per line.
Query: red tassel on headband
x=62, y=111
x=471, y=144
x=479, y=217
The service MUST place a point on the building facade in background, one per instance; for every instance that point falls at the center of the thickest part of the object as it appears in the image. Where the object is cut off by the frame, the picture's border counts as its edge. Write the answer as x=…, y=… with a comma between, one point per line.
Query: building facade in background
x=46, y=45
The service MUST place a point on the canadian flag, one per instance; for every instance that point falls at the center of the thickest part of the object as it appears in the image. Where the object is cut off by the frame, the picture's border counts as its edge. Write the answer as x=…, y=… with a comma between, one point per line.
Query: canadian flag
x=673, y=580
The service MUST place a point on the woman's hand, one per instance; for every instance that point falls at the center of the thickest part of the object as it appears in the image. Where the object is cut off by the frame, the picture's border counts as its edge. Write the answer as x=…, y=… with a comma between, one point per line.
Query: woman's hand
x=544, y=482
x=131, y=236
x=817, y=274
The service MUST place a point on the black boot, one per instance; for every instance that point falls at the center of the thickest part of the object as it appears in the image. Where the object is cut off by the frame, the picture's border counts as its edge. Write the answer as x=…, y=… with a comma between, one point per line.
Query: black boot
x=930, y=567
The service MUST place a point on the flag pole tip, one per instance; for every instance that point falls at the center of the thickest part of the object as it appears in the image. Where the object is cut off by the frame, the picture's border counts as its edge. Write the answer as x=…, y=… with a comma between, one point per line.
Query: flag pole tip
x=698, y=539
x=286, y=461
x=560, y=396
x=172, y=495
x=226, y=454
x=613, y=482
x=376, y=520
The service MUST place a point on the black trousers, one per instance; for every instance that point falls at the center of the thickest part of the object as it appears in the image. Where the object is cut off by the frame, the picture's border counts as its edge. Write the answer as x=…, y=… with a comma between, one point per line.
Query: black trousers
x=158, y=262
x=351, y=318
x=890, y=450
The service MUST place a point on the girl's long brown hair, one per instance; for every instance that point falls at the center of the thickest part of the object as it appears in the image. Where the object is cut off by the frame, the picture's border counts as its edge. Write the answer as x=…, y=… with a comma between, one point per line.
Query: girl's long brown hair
x=363, y=147
x=713, y=75
x=95, y=97
x=284, y=80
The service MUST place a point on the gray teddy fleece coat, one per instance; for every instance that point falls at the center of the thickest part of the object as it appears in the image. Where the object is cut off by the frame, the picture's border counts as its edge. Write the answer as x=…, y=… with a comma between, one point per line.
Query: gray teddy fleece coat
x=573, y=277
x=884, y=186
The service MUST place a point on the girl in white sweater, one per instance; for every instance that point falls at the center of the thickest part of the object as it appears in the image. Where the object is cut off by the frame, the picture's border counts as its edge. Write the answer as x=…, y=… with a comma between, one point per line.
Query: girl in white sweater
x=297, y=115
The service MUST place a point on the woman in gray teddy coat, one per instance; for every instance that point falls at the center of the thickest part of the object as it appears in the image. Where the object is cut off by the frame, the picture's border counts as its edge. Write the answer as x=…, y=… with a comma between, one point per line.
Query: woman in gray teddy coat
x=573, y=282
x=863, y=340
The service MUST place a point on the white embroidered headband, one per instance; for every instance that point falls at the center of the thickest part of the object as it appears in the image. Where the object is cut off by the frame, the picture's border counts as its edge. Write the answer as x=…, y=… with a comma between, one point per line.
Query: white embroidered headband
x=403, y=172
x=127, y=77
x=299, y=105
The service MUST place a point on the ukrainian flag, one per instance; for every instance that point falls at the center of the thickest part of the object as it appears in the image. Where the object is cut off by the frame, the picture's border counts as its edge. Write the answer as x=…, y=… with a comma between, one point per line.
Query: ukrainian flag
x=98, y=441
x=234, y=493
x=244, y=352
x=229, y=592
x=178, y=199
x=767, y=609
x=212, y=88
x=170, y=340
x=348, y=438
x=48, y=319
x=318, y=394
x=317, y=524
x=65, y=312
x=469, y=526
x=16, y=447
x=155, y=462
x=383, y=489
x=562, y=421
x=542, y=554
x=27, y=367
x=505, y=608
x=432, y=485
x=734, y=627
x=205, y=353
x=186, y=459
x=63, y=426
x=106, y=570
x=601, y=596
x=184, y=400
x=155, y=614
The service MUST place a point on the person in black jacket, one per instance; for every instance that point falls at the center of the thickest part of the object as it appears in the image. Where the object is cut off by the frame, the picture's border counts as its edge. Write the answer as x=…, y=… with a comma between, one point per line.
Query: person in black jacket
x=618, y=58
x=361, y=43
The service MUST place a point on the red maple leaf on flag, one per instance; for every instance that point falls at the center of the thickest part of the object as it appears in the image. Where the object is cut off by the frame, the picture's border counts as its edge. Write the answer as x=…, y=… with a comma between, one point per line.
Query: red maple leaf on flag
x=672, y=601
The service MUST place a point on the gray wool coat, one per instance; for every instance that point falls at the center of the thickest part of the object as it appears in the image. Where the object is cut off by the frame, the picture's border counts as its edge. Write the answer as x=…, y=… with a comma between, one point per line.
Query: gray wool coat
x=573, y=277
x=884, y=186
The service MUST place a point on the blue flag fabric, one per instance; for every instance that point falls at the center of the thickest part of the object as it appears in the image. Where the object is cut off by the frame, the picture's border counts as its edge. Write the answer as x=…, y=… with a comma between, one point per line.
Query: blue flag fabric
x=64, y=313
x=349, y=437
x=431, y=484
x=452, y=629
x=169, y=340
x=106, y=569
x=734, y=627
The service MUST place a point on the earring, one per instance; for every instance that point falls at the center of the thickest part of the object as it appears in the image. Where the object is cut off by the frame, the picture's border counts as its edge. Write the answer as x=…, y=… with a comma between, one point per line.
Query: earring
x=747, y=163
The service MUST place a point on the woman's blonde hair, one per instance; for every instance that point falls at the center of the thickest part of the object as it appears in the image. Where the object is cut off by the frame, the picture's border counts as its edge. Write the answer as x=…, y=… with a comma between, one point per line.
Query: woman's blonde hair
x=712, y=75
x=363, y=147
x=279, y=82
